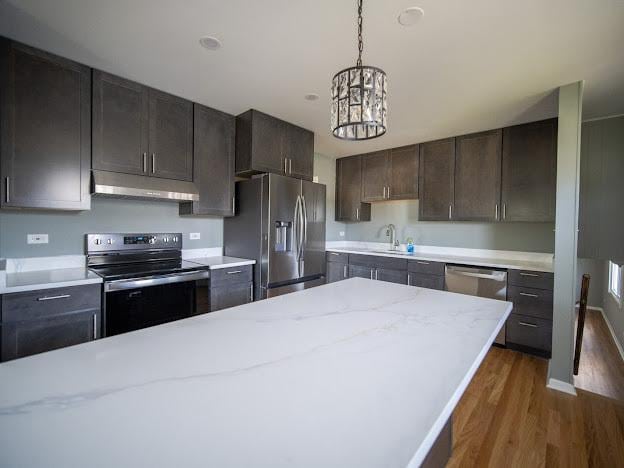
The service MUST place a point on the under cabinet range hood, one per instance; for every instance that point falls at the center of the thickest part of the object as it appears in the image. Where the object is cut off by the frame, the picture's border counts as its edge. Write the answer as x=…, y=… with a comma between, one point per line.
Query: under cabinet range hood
x=115, y=184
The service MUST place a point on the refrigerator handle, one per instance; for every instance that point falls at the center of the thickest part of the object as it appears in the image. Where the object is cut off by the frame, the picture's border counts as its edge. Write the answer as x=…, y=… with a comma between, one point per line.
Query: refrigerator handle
x=305, y=225
x=295, y=229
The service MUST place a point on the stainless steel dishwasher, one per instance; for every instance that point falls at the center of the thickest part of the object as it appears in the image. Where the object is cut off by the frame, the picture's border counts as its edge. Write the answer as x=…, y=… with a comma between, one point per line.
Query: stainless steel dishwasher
x=482, y=282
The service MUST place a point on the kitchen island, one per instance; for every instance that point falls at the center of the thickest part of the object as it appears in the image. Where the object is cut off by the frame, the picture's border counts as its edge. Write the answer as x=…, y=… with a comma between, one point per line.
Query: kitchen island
x=355, y=373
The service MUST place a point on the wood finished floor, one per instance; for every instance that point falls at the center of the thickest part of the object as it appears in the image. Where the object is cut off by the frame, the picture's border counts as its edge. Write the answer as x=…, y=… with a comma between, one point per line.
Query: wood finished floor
x=508, y=418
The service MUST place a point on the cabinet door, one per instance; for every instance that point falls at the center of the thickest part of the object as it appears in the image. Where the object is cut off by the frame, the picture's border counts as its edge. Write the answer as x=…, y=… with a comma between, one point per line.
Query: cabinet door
x=374, y=176
x=120, y=121
x=336, y=271
x=424, y=280
x=259, y=144
x=529, y=333
x=478, y=176
x=437, y=167
x=298, y=147
x=391, y=276
x=213, y=166
x=231, y=295
x=45, y=129
x=403, y=173
x=24, y=338
x=357, y=271
x=348, y=191
x=170, y=136
x=530, y=172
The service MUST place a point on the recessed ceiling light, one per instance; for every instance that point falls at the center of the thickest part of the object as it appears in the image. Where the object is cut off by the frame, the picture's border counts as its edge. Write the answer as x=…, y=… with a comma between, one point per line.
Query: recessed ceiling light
x=410, y=16
x=311, y=97
x=210, y=43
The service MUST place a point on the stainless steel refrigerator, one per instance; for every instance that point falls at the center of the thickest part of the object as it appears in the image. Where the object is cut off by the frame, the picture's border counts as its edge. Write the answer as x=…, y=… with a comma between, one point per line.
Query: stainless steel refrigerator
x=279, y=222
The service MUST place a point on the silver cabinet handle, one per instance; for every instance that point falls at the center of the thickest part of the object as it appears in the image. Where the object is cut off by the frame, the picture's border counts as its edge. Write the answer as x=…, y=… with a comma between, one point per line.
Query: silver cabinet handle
x=233, y=205
x=496, y=212
x=289, y=166
x=534, y=275
x=504, y=210
x=529, y=295
x=525, y=324
x=371, y=273
x=144, y=162
x=234, y=272
x=344, y=271
x=334, y=253
x=285, y=163
x=357, y=214
x=450, y=211
x=384, y=192
x=409, y=279
x=388, y=191
x=94, y=326
x=376, y=274
x=251, y=292
x=51, y=298
x=153, y=163
x=7, y=187
x=422, y=262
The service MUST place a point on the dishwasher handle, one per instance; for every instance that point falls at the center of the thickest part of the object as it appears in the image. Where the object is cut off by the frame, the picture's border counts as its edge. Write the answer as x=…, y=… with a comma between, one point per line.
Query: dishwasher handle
x=494, y=275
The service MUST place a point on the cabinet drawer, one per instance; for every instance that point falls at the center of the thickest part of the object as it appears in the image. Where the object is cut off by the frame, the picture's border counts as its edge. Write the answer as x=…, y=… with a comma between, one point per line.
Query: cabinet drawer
x=426, y=281
x=529, y=332
x=231, y=275
x=222, y=297
x=360, y=271
x=375, y=261
x=425, y=266
x=391, y=276
x=49, y=302
x=338, y=257
x=530, y=301
x=531, y=279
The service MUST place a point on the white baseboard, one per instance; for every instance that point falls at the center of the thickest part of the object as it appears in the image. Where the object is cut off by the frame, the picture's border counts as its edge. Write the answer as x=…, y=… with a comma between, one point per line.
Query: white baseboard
x=561, y=386
x=611, y=330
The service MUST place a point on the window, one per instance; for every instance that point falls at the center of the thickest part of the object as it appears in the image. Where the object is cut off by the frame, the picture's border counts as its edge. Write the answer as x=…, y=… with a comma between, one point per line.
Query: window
x=615, y=280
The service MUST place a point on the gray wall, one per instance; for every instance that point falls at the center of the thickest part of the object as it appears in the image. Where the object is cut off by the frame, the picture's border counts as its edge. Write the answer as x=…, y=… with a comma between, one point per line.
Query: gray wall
x=613, y=310
x=67, y=229
x=535, y=237
x=325, y=170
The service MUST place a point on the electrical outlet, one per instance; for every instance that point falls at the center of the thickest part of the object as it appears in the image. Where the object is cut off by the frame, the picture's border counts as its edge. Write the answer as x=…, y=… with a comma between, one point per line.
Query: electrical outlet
x=341, y=233
x=36, y=238
x=315, y=179
x=195, y=236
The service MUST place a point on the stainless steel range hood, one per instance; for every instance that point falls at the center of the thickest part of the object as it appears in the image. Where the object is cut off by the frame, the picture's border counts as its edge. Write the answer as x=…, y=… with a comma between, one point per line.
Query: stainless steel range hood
x=115, y=184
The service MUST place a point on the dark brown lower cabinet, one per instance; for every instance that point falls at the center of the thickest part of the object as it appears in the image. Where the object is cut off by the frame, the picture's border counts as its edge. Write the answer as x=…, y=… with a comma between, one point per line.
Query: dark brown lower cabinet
x=360, y=271
x=423, y=280
x=391, y=276
x=38, y=321
x=230, y=287
x=337, y=266
x=529, y=334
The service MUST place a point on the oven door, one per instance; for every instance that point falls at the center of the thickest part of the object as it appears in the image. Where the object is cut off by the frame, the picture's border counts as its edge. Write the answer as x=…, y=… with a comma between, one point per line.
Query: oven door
x=135, y=304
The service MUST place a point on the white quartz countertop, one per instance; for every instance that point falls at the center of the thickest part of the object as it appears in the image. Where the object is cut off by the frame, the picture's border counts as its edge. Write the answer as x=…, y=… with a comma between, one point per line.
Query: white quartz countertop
x=215, y=263
x=495, y=259
x=46, y=279
x=354, y=373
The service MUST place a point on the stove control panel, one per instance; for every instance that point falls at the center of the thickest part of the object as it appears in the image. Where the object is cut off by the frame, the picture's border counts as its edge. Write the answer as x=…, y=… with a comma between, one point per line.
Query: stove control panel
x=126, y=242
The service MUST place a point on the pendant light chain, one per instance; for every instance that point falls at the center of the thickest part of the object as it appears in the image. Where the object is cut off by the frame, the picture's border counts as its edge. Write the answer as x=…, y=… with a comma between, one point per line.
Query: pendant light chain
x=360, y=42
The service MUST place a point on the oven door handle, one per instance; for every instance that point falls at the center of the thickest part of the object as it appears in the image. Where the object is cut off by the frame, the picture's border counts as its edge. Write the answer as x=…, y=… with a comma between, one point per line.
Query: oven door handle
x=120, y=285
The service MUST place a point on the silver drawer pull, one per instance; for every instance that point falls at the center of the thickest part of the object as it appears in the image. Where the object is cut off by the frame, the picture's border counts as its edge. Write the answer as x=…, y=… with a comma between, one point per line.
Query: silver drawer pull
x=525, y=324
x=234, y=272
x=51, y=298
x=534, y=275
x=334, y=253
x=422, y=263
x=529, y=295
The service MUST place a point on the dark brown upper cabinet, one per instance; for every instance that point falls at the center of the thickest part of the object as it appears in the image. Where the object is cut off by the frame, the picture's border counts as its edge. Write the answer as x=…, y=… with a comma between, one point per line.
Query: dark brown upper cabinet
x=390, y=174
x=349, y=206
x=436, y=184
x=529, y=172
x=45, y=137
x=120, y=124
x=403, y=173
x=267, y=144
x=139, y=130
x=375, y=177
x=213, y=167
x=477, y=176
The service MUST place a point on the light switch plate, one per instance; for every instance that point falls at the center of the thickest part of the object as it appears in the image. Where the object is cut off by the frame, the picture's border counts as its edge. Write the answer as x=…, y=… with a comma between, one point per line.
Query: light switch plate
x=341, y=233
x=36, y=238
x=315, y=179
x=195, y=236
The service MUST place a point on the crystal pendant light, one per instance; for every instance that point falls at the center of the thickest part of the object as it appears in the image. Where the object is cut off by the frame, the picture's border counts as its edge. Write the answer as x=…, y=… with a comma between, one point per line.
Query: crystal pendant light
x=358, y=107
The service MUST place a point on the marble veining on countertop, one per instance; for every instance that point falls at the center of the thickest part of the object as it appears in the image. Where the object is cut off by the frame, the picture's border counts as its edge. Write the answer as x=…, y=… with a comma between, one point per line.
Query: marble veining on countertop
x=354, y=373
x=514, y=260
x=215, y=263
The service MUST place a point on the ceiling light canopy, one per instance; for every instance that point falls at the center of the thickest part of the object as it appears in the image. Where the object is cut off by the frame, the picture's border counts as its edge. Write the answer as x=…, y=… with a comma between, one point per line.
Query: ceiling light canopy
x=210, y=43
x=359, y=106
x=410, y=16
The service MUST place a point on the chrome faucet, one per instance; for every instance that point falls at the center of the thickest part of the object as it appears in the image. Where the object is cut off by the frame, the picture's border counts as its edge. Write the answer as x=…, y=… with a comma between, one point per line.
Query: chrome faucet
x=391, y=231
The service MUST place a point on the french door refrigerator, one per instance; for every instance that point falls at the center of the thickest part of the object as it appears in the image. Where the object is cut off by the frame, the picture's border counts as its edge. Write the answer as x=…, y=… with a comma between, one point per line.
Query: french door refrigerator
x=280, y=222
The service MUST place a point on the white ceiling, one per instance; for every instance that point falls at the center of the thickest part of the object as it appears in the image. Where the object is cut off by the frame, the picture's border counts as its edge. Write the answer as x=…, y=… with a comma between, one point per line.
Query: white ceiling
x=467, y=66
